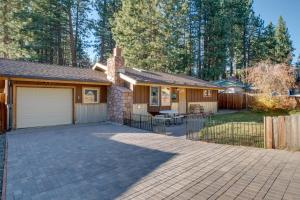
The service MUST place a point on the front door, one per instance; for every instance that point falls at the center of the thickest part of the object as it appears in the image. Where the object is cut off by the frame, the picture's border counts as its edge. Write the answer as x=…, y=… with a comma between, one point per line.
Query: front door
x=182, y=101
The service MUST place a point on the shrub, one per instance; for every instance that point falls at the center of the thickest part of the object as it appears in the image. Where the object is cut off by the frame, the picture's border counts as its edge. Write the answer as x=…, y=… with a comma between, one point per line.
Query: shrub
x=273, y=103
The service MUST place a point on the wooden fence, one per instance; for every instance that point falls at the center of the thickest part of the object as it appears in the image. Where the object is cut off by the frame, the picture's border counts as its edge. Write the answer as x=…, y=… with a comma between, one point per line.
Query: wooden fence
x=3, y=113
x=236, y=101
x=282, y=132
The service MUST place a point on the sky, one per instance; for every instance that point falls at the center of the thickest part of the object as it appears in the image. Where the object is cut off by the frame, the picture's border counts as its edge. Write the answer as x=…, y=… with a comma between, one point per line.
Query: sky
x=270, y=10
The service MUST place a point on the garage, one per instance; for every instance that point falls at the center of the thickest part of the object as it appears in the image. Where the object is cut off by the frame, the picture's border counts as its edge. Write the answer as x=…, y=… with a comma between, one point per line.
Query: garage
x=43, y=106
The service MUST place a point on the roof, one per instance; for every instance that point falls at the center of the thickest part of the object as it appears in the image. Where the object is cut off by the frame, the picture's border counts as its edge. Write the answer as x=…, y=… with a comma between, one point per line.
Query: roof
x=229, y=83
x=32, y=70
x=149, y=77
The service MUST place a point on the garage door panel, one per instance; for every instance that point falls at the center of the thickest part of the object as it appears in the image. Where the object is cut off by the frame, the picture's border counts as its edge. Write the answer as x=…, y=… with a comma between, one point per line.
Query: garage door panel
x=43, y=106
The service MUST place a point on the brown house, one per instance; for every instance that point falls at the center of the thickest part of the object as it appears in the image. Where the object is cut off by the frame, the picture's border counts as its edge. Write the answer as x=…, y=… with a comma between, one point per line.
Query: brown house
x=150, y=92
x=44, y=95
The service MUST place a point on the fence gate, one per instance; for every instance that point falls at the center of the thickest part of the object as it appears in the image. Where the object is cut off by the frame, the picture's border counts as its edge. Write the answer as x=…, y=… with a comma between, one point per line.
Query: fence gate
x=233, y=133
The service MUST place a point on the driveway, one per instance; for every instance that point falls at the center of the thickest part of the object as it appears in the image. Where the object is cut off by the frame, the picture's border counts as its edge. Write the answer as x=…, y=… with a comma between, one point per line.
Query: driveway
x=109, y=161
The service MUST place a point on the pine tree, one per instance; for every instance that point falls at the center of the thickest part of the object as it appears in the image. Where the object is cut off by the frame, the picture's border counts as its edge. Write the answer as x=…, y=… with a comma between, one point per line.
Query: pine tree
x=146, y=32
x=269, y=43
x=11, y=38
x=104, y=42
x=283, y=48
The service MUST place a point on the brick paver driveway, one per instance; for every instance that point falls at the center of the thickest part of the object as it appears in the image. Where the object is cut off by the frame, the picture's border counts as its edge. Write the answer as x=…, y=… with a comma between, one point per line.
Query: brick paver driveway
x=116, y=162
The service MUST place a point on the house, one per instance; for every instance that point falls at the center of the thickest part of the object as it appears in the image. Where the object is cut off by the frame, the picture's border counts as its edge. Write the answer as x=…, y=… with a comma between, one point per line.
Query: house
x=44, y=95
x=150, y=92
x=231, y=86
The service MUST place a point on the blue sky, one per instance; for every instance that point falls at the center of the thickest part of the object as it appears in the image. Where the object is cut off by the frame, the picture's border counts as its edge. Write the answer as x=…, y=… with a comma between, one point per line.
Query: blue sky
x=270, y=10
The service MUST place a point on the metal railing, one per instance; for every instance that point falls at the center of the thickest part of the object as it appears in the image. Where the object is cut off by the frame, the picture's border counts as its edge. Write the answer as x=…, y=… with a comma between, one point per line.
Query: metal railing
x=145, y=122
x=233, y=133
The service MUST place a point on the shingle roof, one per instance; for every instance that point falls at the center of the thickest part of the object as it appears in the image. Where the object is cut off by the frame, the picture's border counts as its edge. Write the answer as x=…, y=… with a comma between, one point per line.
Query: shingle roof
x=143, y=76
x=21, y=69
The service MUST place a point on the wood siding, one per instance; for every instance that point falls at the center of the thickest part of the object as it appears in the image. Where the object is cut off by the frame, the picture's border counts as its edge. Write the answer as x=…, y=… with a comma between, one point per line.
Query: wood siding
x=196, y=95
x=90, y=113
x=2, y=86
x=3, y=113
x=78, y=88
x=141, y=94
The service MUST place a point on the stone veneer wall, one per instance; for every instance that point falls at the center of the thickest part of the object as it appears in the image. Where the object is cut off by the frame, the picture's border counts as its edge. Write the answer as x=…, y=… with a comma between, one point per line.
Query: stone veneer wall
x=119, y=101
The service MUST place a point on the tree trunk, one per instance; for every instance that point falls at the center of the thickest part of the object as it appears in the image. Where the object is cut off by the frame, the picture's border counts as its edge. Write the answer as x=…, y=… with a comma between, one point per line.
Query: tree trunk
x=5, y=38
x=72, y=40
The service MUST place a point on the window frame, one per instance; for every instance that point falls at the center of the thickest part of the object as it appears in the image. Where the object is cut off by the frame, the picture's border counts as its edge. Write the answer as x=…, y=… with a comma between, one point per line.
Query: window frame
x=158, y=97
x=207, y=93
x=90, y=88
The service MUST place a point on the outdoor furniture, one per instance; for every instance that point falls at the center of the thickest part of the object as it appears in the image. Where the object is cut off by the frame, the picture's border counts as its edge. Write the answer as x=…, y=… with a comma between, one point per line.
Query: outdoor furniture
x=196, y=109
x=168, y=112
x=178, y=119
x=162, y=118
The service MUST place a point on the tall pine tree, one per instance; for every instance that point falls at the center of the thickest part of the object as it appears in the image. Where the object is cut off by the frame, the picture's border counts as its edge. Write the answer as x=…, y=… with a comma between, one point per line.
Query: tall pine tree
x=104, y=42
x=283, y=48
x=150, y=33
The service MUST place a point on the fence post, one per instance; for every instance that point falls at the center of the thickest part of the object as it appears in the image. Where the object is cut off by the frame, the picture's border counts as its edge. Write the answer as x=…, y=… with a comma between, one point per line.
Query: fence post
x=268, y=123
x=232, y=132
x=140, y=121
x=151, y=123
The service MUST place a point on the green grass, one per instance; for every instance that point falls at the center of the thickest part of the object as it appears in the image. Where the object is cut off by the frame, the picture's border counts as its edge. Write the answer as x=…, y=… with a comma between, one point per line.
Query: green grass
x=236, y=133
x=250, y=116
x=240, y=128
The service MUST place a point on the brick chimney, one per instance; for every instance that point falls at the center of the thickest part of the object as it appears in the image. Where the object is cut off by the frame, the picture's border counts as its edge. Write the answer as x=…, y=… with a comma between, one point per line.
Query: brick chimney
x=115, y=64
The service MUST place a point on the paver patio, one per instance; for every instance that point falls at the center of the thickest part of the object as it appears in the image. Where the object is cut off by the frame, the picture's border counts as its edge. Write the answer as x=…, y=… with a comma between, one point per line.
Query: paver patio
x=109, y=161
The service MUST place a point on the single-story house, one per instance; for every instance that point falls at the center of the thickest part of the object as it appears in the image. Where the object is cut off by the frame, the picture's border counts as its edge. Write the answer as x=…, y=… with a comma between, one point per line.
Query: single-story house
x=44, y=95
x=151, y=92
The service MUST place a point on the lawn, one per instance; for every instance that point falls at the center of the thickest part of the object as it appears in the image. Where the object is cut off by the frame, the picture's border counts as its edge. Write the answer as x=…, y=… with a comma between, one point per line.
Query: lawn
x=235, y=133
x=250, y=116
x=240, y=128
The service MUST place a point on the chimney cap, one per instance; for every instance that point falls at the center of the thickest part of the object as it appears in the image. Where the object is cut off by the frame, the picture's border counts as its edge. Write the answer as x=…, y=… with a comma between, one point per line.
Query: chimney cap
x=117, y=51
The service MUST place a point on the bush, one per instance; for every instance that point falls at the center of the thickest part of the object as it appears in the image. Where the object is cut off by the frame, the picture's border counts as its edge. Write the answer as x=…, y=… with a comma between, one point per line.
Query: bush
x=273, y=103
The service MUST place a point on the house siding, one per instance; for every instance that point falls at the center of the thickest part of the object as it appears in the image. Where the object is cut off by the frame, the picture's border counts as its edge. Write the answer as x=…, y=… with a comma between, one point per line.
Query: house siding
x=2, y=86
x=196, y=95
x=82, y=113
x=78, y=88
x=141, y=94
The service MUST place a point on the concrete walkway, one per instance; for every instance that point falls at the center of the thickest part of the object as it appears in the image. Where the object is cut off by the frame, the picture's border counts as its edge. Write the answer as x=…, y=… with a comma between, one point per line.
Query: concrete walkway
x=108, y=161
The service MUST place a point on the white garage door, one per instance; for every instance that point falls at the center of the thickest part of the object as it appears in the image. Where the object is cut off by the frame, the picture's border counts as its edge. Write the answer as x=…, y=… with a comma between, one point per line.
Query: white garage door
x=43, y=107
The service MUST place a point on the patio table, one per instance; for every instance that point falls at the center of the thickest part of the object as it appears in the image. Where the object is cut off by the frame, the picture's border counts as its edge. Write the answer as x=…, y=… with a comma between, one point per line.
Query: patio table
x=169, y=112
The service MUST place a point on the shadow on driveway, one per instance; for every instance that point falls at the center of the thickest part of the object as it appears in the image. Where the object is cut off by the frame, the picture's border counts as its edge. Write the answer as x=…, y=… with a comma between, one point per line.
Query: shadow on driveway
x=76, y=162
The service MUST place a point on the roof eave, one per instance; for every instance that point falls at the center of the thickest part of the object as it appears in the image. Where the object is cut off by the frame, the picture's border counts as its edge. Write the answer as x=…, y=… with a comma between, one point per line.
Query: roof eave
x=43, y=79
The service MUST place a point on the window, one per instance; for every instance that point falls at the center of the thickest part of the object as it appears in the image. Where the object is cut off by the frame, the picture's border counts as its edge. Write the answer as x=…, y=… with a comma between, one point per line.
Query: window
x=154, y=96
x=207, y=93
x=165, y=96
x=90, y=95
